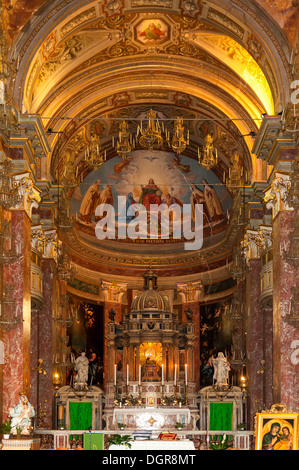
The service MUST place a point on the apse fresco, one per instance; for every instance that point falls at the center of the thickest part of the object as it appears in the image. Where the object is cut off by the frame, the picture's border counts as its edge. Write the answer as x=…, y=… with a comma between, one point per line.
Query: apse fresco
x=155, y=177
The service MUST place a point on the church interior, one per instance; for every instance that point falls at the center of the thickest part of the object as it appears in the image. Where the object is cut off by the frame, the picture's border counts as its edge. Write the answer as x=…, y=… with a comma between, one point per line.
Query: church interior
x=149, y=240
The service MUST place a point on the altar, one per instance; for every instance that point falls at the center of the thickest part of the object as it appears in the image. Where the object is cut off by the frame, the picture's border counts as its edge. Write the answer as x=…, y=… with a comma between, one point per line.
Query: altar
x=154, y=444
x=151, y=418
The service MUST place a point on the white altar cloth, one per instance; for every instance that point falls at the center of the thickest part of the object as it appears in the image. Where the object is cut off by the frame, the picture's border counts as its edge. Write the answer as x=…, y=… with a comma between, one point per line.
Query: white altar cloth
x=151, y=418
x=151, y=444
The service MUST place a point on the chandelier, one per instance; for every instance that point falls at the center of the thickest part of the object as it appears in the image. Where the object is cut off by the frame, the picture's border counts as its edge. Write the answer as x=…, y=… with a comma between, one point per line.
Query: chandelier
x=65, y=269
x=64, y=220
x=125, y=142
x=208, y=159
x=9, y=189
x=94, y=156
x=150, y=136
x=69, y=178
x=235, y=176
x=179, y=142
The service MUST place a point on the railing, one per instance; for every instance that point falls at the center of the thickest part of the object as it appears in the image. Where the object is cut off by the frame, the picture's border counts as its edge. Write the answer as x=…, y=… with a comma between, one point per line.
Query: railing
x=69, y=439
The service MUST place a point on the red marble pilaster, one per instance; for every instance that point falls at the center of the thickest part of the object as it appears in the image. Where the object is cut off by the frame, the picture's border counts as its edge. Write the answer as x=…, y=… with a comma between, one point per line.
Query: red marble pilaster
x=45, y=339
x=117, y=307
x=268, y=357
x=254, y=337
x=285, y=371
x=195, y=367
x=16, y=370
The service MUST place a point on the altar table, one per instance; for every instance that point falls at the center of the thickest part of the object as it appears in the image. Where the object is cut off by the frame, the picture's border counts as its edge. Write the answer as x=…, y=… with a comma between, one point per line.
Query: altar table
x=151, y=418
x=152, y=444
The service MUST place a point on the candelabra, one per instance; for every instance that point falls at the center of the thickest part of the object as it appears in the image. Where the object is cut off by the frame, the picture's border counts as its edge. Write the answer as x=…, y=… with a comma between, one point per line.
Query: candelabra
x=139, y=395
x=186, y=395
x=116, y=401
x=127, y=401
x=175, y=400
x=163, y=395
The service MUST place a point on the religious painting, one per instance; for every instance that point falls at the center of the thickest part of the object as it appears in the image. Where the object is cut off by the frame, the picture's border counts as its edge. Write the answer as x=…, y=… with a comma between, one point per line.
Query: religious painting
x=175, y=185
x=152, y=31
x=276, y=429
x=150, y=360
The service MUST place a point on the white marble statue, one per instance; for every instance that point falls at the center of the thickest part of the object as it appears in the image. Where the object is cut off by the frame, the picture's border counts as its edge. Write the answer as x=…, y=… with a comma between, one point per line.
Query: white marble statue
x=221, y=369
x=81, y=367
x=21, y=416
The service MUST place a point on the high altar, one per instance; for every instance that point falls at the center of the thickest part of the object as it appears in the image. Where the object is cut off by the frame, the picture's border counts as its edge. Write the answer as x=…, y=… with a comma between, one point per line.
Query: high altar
x=150, y=381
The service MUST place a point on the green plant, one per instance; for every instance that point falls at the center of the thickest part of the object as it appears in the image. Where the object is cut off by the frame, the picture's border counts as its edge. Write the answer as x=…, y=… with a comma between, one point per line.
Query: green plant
x=241, y=427
x=121, y=425
x=119, y=440
x=179, y=425
x=6, y=427
x=221, y=443
x=19, y=430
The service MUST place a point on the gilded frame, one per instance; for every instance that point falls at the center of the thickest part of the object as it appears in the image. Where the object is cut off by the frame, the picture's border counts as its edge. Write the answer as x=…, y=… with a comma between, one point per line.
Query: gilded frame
x=276, y=429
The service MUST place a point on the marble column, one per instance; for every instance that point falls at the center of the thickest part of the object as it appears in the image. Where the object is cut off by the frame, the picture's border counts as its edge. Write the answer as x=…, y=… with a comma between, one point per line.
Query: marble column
x=16, y=370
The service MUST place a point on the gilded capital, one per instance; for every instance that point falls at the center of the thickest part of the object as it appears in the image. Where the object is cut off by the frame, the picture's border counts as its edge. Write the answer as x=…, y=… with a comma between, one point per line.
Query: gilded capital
x=190, y=291
x=113, y=291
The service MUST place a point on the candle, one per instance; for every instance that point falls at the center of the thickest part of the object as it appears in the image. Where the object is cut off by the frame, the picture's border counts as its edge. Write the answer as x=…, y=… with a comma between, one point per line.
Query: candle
x=162, y=374
x=175, y=374
x=114, y=374
x=127, y=374
x=139, y=374
x=186, y=375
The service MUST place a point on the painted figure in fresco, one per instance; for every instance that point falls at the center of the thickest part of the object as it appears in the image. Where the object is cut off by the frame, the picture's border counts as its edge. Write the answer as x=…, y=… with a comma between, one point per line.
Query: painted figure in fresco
x=106, y=196
x=150, y=194
x=176, y=163
x=271, y=438
x=129, y=202
x=214, y=207
x=197, y=197
x=90, y=202
x=221, y=369
x=21, y=415
x=153, y=32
